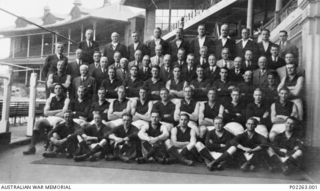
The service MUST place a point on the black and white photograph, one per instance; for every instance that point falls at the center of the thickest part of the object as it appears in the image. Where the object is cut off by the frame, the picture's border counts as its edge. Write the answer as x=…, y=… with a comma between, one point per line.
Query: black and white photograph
x=130, y=94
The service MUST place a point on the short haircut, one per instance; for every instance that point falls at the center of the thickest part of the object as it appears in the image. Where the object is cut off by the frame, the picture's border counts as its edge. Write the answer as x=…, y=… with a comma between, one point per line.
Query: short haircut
x=184, y=114
x=122, y=87
x=255, y=121
x=284, y=88
x=155, y=66
x=199, y=66
x=97, y=52
x=218, y=118
x=235, y=89
x=212, y=89
x=275, y=46
x=58, y=84
x=127, y=115
x=102, y=89
x=224, y=68
x=266, y=30
x=164, y=89
x=284, y=31
x=81, y=88
x=96, y=112
x=176, y=66
x=133, y=66
x=84, y=66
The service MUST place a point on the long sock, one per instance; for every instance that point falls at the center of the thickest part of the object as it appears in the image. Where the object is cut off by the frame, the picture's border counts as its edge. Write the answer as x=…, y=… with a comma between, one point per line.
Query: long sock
x=205, y=154
x=95, y=149
x=34, y=138
x=223, y=157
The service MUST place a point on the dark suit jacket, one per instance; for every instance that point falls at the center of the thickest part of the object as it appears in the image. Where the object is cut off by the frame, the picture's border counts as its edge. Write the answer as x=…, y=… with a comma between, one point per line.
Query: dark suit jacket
x=195, y=47
x=109, y=52
x=184, y=63
x=236, y=78
x=262, y=52
x=188, y=75
x=174, y=48
x=145, y=75
x=99, y=76
x=205, y=65
x=151, y=47
x=212, y=76
x=87, y=52
x=273, y=65
x=230, y=44
x=89, y=84
x=121, y=75
x=92, y=67
x=74, y=69
x=251, y=45
x=252, y=67
x=131, y=50
x=165, y=75
x=50, y=65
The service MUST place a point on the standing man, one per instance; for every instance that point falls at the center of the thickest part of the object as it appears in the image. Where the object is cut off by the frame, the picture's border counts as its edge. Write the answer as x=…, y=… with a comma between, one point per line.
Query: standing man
x=96, y=62
x=74, y=67
x=59, y=77
x=86, y=81
x=265, y=45
x=225, y=61
x=101, y=73
x=137, y=59
x=114, y=46
x=260, y=75
x=157, y=40
x=88, y=47
x=200, y=41
x=136, y=45
x=245, y=44
x=286, y=46
x=224, y=41
x=178, y=43
x=154, y=84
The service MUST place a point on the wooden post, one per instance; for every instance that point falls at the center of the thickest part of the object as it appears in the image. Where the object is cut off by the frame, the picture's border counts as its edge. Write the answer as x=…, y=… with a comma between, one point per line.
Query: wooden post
x=42, y=45
x=250, y=15
x=32, y=103
x=13, y=43
x=170, y=10
x=81, y=38
x=6, y=74
x=28, y=47
x=94, y=30
x=69, y=37
x=52, y=44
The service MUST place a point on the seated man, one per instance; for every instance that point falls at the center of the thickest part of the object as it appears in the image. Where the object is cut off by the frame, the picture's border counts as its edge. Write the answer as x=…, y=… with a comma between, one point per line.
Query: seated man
x=236, y=73
x=157, y=59
x=212, y=71
x=271, y=92
x=111, y=84
x=225, y=61
x=183, y=139
x=190, y=107
x=60, y=137
x=141, y=109
x=280, y=110
x=176, y=84
x=59, y=77
x=153, y=137
x=166, y=108
x=208, y=111
x=53, y=110
x=286, y=149
x=80, y=107
x=189, y=69
x=94, y=136
x=200, y=84
x=133, y=82
x=122, y=73
x=251, y=146
x=218, y=146
x=126, y=143
x=295, y=83
x=233, y=113
x=203, y=59
x=117, y=108
x=145, y=69
x=101, y=105
x=166, y=70
x=86, y=81
x=246, y=88
x=154, y=84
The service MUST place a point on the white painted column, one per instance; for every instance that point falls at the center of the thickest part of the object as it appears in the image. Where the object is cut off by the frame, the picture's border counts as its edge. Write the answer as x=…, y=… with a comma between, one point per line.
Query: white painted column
x=42, y=45
x=13, y=44
x=32, y=103
x=6, y=73
x=276, y=13
x=28, y=47
x=52, y=43
x=250, y=15
x=94, y=30
x=69, y=37
x=81, y=38
x=310, y=57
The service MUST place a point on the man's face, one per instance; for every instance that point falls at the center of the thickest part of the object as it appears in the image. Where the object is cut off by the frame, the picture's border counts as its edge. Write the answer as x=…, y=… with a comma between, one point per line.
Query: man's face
x=178, y=34
x=245, y=34
x=101, y=95
x=97, y=119
x=121, y=93
x=59, y=48
x=78, y=54
x=115, y=37
x=117, y=57
x=224, y=30
x=67, y=117
x=187, y=92
x=274, y=51
x=283, y=95
x=290, y=125
x=199, y=72
x=177, y=73
x=211, y=95
x=247, y=77
x=135, y=37
x=291, y=69
x=164, y=95
x=283, y=36
x=61, y=66
x=80, y=92
x=58, y=90
x=265, y=35
x=225, y=54
x=111, y=73
x=167, y=61
x=142, y=93
x=155, y=118
x=257, y=96
x=89, y=34
x=126, y=121
x=289, y=58
x=201, y=30
x=157, y=33
x=262, y=63
x=250, y=125
x=237, y=62
x=134, y=71
x=183, y=121
x=248, y=55
x=146, y=61
x=203, y=52
x=96, y=57
x=180, y=54
x=271, y=80
x=155, y=72
x=212, y=60
x=223, y=74
x=83, y=71
x=190, y=60
x=123, y=64
x=138, y=55
x=218, y=124
x=103, y=62
x=235, y=96
x=158, y=50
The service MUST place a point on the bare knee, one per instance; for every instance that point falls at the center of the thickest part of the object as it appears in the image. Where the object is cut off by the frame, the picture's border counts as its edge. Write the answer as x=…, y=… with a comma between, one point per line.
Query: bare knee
x=199, y=146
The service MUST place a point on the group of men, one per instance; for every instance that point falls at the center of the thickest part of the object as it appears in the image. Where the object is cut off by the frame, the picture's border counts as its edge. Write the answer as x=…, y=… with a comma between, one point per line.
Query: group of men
x=220, y=102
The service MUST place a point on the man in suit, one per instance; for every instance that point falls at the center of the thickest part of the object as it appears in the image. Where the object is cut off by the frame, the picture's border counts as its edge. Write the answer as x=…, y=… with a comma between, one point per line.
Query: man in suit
x=249, y=63
x=203, y=59
x=88, y=82
x=212, y=71
x=157, y=59
x=122, y=73
x=137, y=59
x=260, y=75
x=50, y=63
x=101, y=73
x=224, y=41
x=289, y=59
x=96, y=62
x=74, y=67
x=136, y=45
x=225, y=61
x=166, y=68
x=157, y=40
x=265, y=45
x=116, y=57
x=199, y=41
x=245, y=44
x=181, y=54
x=275, y=61
x=114, y=46
x=236, y=74
x=178, y=43
x=145, y=70
x=286, y=46
x=88, y=47
x=189, y=70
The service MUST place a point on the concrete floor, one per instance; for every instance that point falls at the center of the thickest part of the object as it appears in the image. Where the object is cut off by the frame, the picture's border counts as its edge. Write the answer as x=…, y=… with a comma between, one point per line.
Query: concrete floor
x=16, y=168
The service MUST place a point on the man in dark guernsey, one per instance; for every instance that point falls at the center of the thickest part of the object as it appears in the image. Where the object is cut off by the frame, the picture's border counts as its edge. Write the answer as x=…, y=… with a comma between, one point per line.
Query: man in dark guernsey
x=80, y=106
x=111, y=84
x=223, y=85
x=133, y=82
x=141, y=109
x=154, y=84
x=101, y=105
x=251, y=146
x=126, y=143
x=53, y=110
x=59, y=77
x=208, y=111
x=218, y=147
x=95, y=137
x=286, y=150
x=176, y=84
x=200, y=84
x=117, y=108
x=181, y=145
x=152, y=139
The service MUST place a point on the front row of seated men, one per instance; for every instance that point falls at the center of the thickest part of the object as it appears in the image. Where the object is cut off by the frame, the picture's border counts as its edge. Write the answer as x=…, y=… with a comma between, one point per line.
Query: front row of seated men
x=183, y=130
